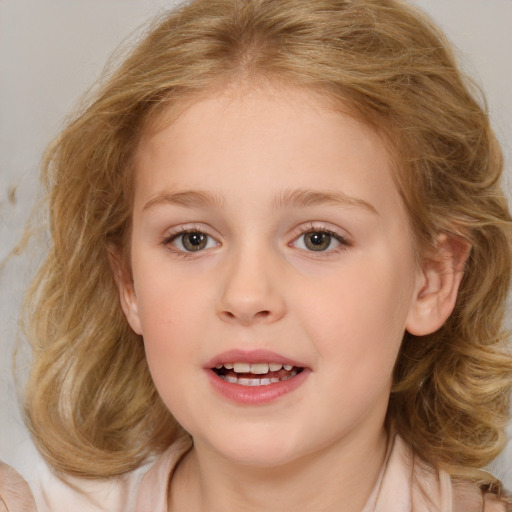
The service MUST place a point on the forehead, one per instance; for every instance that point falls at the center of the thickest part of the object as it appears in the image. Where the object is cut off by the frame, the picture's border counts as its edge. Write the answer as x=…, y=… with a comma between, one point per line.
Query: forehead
x=231, y=104
x=281, y=137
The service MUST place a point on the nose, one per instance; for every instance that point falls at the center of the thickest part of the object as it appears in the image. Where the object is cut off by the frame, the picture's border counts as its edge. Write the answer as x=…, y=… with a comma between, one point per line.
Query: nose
x=251, y=292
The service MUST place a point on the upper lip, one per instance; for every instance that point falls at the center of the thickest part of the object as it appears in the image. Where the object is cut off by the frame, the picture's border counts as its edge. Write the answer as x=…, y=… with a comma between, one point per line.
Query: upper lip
x=251, y=356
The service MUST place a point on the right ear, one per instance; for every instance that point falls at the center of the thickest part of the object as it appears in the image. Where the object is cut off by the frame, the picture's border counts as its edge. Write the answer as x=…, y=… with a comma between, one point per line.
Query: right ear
x=125, y=288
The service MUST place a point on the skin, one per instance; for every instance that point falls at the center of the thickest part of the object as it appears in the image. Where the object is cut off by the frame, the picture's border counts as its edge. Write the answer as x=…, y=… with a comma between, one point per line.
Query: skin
x=341, y=312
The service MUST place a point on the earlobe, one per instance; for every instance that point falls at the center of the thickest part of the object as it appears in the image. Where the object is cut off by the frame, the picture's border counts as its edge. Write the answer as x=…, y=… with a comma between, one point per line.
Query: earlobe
x=126, y=290
x=437, y=285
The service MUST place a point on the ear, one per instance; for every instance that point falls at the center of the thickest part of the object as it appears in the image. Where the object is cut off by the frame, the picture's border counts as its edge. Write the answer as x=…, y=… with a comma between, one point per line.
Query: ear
x=437, y=285
x=126, y=289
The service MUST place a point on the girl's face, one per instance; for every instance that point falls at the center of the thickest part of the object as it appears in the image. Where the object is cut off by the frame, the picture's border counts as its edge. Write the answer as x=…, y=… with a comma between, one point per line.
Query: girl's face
x=268, y=233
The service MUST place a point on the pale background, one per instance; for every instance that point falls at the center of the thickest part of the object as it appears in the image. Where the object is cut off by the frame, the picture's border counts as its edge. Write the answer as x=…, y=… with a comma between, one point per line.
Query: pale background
x=51, y=51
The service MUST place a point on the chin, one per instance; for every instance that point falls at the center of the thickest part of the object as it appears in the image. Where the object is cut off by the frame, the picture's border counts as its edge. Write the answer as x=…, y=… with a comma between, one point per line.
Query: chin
x=262, y=458
x=257, y=450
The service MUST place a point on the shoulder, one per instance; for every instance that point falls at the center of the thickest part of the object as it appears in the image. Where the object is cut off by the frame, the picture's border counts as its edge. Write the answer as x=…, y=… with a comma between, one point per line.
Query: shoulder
x=468, y=497
x=493, y=504
x=15, y=494
x=435, y=490
x=62, y=493
x=50, y=492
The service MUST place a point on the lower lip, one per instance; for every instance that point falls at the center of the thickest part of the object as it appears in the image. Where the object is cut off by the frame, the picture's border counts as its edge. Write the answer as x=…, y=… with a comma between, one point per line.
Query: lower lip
x=255, y=395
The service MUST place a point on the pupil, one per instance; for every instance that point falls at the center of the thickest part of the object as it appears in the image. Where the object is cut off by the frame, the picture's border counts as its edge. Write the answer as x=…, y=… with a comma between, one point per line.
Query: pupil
x=194, y=241
x=318, y=241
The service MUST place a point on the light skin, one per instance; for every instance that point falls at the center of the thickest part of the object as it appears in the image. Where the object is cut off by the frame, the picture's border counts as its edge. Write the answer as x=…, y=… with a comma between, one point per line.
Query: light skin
x=306, y=252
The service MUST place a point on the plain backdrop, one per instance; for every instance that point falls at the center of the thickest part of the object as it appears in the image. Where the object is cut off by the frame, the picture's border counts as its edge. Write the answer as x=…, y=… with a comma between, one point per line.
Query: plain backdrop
x=51, y=51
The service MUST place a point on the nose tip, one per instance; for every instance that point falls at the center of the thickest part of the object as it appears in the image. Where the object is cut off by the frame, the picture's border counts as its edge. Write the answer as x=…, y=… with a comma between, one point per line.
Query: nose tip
x=251, y=293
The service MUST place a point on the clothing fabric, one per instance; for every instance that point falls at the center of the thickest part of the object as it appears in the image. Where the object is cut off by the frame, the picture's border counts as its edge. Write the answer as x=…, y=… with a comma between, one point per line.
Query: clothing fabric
x=405, y=484
x=15, y=495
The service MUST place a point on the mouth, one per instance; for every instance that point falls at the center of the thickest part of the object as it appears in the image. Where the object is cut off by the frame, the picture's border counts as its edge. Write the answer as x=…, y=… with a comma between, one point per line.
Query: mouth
x=255, y=374
x=255, y=377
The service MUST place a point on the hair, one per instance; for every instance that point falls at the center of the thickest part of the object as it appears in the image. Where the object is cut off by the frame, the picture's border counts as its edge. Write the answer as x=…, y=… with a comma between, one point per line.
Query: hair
x=90, y=402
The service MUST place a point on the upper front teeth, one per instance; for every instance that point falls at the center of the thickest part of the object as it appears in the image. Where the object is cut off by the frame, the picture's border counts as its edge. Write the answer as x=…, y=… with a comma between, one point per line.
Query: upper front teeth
x=256, y=368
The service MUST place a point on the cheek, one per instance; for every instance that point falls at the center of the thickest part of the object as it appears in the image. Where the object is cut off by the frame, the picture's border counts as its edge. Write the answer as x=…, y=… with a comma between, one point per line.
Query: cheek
x=359, y=318
x=166, y=319
x=170, y=336
x=164, y=314
x=175, y=313
x=163, y=292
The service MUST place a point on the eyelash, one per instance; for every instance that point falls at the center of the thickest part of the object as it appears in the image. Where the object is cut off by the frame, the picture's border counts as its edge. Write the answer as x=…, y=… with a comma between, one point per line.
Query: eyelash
x=342, y=241
x=172, y=237
x=311, y=228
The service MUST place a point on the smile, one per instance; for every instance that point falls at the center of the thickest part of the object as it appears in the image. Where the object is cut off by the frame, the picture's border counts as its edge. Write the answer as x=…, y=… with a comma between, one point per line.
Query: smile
x=255, y=377
x=255, y=374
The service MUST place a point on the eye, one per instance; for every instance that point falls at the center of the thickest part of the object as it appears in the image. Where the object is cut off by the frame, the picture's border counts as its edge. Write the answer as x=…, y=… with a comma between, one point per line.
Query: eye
x=191, y=241
x=319, y=241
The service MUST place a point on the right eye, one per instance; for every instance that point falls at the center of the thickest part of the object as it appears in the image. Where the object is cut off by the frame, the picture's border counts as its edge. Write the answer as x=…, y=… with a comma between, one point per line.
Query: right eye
x=191, y=241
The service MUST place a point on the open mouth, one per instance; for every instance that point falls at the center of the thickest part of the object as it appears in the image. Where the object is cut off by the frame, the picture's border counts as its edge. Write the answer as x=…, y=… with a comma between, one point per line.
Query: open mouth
x=256, y=374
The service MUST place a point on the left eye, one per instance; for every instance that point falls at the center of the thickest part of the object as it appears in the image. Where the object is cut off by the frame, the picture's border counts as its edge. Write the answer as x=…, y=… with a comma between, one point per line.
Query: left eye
x=192, y=241
x=318, y=241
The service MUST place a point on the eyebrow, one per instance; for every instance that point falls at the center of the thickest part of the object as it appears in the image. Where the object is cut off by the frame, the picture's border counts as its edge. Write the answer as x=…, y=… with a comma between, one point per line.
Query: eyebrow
x=297, y=198
x=186, y=198
x=302, y=198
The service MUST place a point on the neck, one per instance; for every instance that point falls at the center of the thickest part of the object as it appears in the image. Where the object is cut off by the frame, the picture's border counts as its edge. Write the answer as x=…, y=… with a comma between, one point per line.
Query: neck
x=340, y=477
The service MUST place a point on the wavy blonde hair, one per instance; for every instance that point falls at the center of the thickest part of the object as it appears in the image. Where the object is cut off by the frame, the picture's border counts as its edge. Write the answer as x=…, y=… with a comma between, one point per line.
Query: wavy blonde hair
x=90, y=402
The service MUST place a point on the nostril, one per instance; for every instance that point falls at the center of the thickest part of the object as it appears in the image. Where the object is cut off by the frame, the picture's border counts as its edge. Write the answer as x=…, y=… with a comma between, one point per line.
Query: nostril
x=259, y=314
x=246, y=317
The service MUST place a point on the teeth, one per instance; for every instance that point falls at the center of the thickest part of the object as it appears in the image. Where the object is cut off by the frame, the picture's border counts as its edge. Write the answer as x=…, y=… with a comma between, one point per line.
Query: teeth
x=259, y=368
x=241, y=367
x=246, y=381
x=249, y=382
x=255, y=368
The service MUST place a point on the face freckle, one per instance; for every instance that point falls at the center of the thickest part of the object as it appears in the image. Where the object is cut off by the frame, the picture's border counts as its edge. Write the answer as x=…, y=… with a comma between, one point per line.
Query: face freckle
x=267, y=229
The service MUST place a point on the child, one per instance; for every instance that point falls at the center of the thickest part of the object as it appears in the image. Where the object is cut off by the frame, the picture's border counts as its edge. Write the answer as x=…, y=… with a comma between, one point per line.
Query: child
x=280, y=257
